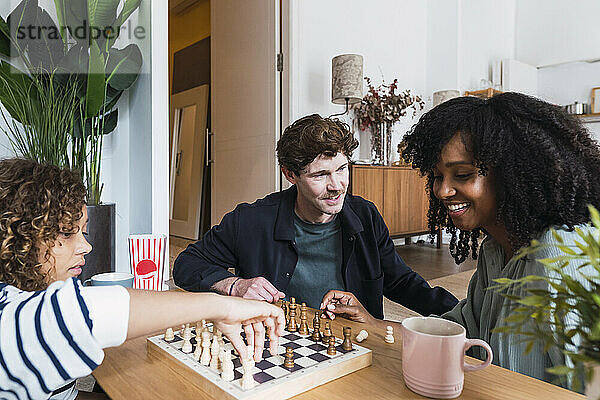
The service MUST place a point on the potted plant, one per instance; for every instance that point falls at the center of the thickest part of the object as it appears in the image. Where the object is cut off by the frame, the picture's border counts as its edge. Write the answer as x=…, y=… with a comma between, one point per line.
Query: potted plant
x=77, y=55
x=551, y=303
x=378, y=111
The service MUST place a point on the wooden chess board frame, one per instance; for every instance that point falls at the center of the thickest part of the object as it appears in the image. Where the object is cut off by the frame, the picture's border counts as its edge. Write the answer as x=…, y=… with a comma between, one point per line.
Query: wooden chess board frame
x=287, y=386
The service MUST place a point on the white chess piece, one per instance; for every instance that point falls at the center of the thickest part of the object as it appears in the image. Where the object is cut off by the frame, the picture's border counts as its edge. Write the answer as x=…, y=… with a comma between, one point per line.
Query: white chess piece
x=214, y=353
x=169, y=335
x=226, y=365
x=389, y=335
x=198, y=350
x=187, y=345
x=248, y=366
x=362, y=335
x=205, y=357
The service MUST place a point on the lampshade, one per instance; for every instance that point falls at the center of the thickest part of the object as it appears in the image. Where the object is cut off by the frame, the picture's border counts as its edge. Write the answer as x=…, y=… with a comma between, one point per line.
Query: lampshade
x=347, y=79
x=444, y=95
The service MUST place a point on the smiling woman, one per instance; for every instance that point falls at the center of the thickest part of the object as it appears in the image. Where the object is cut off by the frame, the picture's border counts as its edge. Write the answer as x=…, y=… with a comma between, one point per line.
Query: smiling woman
x=511, y=167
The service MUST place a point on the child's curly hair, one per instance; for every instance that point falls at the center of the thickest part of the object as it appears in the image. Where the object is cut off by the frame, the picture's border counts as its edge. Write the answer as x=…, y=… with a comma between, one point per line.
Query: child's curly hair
x=546, y=167
x=36, y=202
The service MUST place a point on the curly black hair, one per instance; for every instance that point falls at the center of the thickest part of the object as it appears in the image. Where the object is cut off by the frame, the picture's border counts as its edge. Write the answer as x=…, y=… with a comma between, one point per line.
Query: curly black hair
x=546, y=167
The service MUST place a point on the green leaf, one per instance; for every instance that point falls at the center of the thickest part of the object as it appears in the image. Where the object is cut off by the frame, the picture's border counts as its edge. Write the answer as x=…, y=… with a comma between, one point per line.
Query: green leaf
x=96, y=84
x=560, y=370
x=23, y=15
x=596, y=298
x=124, y=66
x=556, y=236
x=594, y=216
x=73, y=14
x=14, y=83
x=128, y=8
x=60, y=6
x=45, y=48
x=516, y=318
x=102, y=13
x=532, y=301
x=110, y=122
x=4, y=38
x=112, y=97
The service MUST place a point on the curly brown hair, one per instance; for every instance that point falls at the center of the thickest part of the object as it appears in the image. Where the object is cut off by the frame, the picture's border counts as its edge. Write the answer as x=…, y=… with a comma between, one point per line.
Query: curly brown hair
x=311, y=136
x=37, y=201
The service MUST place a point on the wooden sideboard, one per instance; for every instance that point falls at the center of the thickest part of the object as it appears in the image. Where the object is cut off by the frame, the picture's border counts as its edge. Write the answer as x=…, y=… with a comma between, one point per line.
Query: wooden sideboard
x=399, y=194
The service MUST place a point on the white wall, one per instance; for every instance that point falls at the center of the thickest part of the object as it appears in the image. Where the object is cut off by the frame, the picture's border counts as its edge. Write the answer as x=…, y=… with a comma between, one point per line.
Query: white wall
x=568, y=83
x=388, y=33
x=463, y=38
x=557, y=31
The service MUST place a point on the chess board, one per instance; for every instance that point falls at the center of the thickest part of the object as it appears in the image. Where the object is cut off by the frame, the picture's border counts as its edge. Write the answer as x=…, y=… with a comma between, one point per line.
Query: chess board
x=312, y=367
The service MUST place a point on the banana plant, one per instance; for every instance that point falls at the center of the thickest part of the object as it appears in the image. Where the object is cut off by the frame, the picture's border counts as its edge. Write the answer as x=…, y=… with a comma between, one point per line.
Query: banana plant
x=79, y=50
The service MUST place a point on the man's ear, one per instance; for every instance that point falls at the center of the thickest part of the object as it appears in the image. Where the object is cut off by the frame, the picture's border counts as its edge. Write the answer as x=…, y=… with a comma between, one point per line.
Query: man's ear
x=289, y=175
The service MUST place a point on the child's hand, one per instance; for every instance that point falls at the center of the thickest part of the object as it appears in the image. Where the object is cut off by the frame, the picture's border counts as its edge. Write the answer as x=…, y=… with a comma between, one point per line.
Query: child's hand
x=252, y=316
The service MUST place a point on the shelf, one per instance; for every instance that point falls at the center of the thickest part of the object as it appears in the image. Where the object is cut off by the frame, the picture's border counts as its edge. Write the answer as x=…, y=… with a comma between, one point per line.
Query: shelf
x=485, y=93
x=590, y=118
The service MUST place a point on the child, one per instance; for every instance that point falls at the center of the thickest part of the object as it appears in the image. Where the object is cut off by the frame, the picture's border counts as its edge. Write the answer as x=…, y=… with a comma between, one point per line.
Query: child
x=52, y=330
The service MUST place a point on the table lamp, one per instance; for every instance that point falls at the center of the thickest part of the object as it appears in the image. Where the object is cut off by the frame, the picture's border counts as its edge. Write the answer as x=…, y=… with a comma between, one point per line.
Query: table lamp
x=346, y=80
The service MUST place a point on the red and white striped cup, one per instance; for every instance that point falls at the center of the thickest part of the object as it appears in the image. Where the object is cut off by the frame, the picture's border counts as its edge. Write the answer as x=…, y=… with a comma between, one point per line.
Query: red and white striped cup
x=147, y=260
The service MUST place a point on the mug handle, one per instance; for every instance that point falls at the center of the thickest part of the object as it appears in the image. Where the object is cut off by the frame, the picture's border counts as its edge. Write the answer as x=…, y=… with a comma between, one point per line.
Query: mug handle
x=490, y=356
x=87, y=282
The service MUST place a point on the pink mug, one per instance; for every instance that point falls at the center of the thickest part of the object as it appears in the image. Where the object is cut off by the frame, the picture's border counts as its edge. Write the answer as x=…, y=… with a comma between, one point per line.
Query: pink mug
x=433, y=352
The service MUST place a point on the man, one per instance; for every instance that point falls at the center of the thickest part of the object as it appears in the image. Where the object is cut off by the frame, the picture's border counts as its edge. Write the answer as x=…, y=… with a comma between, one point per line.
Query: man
x=310, y=238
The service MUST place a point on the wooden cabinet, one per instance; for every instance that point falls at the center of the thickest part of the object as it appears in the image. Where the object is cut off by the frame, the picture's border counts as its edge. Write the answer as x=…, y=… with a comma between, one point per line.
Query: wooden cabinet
x=399, y=194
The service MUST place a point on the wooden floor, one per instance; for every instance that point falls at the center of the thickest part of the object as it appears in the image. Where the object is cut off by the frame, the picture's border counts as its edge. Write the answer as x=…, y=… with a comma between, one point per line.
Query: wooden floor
x=431, y=262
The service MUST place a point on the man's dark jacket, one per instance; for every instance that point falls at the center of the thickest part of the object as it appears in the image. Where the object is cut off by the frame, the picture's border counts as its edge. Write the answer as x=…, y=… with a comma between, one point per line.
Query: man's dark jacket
x=258, y=240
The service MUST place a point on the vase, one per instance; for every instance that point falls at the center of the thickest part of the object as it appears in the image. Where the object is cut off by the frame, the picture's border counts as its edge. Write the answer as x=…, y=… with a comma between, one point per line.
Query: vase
x=592, y=388
x=376, y=144
x=387, y=144
x=101, y=235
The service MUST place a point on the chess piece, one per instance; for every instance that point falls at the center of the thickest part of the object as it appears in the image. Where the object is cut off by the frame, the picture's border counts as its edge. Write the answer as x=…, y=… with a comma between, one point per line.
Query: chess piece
x=248, y=367
x=219, y=336
x=198, y=350
x=316, y=334
x=226, y=365
x=389, y=334
x=214, y=353
x=205, y=357
x=347, y=344
x=362, y=335
x=303, y=329
x=292, y=324
x=327, y=332
x=331, y=349
x=289, y=358
x=187, y=345
x=169, y=335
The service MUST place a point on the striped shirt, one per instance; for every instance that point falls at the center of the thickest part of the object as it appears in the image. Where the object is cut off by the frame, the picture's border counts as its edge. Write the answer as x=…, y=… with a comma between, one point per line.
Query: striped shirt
x=51, y=337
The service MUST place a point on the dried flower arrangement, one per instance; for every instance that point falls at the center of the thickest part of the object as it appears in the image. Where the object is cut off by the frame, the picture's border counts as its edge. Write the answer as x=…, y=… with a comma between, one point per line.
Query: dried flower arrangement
x=384, y=105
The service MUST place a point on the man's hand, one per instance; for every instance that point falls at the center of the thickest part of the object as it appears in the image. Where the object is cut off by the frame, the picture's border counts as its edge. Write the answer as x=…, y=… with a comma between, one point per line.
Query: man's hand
x=345, y=304
x=257, y=289
x=252, y=317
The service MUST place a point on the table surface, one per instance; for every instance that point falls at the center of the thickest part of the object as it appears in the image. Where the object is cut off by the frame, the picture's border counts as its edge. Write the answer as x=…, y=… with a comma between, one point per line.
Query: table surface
x=128, y=372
